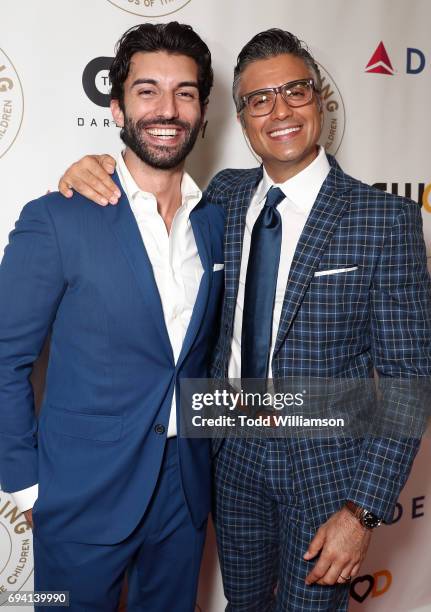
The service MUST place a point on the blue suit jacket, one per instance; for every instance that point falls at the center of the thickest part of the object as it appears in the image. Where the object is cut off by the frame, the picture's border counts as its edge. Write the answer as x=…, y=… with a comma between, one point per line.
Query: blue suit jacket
x=96, y=451
x=342, y=325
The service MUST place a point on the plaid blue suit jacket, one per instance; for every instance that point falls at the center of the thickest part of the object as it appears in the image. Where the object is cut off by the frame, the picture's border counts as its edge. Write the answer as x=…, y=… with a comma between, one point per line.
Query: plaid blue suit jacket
x=342, y=325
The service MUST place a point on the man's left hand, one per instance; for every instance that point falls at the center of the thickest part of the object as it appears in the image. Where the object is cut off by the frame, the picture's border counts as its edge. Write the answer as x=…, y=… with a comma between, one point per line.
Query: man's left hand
x=342, y=542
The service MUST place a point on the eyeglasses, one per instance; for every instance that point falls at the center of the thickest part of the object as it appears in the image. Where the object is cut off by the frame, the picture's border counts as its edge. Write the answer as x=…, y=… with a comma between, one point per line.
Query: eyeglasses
x=262, y=101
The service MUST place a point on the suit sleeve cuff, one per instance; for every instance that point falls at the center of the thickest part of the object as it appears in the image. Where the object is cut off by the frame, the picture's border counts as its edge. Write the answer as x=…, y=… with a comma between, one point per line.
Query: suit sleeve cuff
x=25, y=499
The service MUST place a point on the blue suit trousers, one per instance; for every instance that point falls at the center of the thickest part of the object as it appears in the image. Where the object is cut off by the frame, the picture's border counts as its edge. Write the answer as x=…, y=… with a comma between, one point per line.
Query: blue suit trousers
x=161, y=557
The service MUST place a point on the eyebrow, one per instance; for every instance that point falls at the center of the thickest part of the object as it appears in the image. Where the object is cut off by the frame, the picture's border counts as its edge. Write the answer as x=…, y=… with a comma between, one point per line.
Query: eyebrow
x=155, y=82
x=255, y=91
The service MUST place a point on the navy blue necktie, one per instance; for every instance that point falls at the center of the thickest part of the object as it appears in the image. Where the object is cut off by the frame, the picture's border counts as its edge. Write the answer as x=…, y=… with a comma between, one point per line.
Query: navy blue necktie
x=260, y=285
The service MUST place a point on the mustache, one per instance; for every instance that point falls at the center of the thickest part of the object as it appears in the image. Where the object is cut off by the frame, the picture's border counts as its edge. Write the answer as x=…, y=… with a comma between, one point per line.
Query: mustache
x=141, y=124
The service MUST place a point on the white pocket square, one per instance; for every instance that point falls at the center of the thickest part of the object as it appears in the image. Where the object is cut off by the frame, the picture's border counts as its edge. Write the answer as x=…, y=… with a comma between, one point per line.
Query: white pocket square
x=217, y=267
x=335, y=271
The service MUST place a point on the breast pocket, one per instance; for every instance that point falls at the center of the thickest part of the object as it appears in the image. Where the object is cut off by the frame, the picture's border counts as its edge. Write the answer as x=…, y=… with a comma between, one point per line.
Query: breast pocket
x=338, y=295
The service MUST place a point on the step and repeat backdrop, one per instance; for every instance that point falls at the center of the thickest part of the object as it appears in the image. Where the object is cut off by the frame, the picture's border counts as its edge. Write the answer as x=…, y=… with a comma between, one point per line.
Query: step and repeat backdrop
x=375, y=57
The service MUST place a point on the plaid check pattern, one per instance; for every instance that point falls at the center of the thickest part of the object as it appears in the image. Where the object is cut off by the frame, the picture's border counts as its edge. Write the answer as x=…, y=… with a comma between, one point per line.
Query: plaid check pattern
x=263, y=532
x=333, y=326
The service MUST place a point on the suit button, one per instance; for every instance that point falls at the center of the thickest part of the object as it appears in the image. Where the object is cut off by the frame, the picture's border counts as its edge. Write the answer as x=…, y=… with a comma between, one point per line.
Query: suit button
x=159, y=429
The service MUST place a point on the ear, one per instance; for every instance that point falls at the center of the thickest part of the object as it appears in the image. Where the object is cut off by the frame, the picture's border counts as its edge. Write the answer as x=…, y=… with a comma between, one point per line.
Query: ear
x=117, y=113
x=204, y=121
x=240, y=119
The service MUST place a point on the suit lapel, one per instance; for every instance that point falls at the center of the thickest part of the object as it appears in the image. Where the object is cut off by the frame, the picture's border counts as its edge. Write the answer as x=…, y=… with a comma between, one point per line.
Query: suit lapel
x=329, y=207
x=234, y=236
x=201, y=232
x=125, y=228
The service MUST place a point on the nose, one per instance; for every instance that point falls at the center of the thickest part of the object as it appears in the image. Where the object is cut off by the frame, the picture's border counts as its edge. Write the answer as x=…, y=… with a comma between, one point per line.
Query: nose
x=167, y=106
x=281, y=108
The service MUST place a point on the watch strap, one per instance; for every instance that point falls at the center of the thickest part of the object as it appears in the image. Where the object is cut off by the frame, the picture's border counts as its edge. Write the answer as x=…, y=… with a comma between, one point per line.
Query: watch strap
x=356, y=510
x=365, y=517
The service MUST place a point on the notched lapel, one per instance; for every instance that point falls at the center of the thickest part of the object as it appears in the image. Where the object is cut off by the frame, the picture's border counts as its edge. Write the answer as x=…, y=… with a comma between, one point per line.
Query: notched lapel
x=331, y=204
x=125, y=229
x=201, y=232
x=234, y=236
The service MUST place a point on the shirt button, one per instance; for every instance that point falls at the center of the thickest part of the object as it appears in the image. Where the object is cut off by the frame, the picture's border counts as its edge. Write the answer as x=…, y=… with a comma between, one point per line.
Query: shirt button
x=159, y=429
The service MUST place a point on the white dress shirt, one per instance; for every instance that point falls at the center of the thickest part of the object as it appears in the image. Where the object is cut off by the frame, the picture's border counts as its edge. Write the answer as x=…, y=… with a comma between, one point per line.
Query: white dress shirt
x=177, y=271
x=174, y=257
x=301, y=192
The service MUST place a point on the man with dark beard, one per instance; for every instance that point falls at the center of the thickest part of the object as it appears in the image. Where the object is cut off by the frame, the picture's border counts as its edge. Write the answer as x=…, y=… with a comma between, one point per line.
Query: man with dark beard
x=131, y=293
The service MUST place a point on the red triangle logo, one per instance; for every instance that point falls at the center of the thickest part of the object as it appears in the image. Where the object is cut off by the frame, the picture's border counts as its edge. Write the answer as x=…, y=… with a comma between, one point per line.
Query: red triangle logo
x=380, y=62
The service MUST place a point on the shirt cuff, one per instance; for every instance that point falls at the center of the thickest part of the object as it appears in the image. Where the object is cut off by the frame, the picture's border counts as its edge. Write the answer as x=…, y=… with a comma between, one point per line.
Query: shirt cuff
x=25, y=499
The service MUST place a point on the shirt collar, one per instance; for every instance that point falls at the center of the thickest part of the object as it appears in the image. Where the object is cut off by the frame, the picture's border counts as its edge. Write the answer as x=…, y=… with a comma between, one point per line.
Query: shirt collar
x=303, y=188
x=190, y=192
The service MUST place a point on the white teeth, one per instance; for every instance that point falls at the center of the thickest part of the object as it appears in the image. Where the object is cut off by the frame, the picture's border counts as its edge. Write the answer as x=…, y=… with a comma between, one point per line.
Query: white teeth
x=162, y=132
x=284, y=132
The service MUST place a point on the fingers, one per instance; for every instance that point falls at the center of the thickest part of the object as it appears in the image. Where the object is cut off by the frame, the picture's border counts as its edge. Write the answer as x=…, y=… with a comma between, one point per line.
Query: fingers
x=319, y=570
x=338, y=566
x=323, y=564
x=107, y=162
x=346, y=574
x=331, y=570
x=89, y=177
x=355, y=570
x=342, y=543
x=335, y=569
x=64, y=188
x=331, y=563
x=316, y=544
x=101, y=181
x=90, y=187
x=349, y=571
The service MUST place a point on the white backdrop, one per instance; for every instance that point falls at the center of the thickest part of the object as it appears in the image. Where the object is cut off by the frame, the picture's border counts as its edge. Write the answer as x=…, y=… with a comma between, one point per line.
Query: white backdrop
x=377, y=121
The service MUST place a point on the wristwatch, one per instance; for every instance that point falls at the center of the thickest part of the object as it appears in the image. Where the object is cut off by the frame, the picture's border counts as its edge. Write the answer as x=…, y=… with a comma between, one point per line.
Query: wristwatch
x=365, y=517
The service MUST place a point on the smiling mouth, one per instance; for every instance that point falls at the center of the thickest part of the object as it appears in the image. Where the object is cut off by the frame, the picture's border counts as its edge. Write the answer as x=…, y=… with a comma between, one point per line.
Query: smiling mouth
x=163, y=133
x=285, y=131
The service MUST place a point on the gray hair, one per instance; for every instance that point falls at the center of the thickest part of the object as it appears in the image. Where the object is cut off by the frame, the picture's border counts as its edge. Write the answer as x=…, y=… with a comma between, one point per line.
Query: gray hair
x=269, y=44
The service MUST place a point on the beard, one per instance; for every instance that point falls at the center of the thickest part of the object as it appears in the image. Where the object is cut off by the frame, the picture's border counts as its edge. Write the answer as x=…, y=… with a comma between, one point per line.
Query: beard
x=159, y=156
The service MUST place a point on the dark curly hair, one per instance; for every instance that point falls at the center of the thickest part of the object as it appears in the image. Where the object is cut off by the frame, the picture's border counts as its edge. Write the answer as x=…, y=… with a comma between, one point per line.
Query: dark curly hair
x=172, y=37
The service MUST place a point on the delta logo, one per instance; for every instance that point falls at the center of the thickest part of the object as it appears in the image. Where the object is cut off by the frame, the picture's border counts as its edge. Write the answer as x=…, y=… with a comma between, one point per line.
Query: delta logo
x=380, y=63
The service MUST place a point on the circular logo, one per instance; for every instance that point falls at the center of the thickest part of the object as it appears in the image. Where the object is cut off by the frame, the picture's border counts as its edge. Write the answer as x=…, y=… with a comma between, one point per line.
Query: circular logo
x=95, y=80
x=150, y=8
x=11, y=103
x=16, y=548
x=334, y=114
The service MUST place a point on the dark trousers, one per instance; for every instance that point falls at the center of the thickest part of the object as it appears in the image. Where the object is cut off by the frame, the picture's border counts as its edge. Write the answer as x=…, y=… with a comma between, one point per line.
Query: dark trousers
x=161, y=557
x=263, y=533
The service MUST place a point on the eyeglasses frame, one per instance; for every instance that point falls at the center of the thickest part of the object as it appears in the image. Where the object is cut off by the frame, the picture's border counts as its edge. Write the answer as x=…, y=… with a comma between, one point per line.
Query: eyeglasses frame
x=277, y=90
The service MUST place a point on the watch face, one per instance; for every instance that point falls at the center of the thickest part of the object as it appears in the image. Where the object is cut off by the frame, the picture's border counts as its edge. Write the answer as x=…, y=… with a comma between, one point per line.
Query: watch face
x=370, y=520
